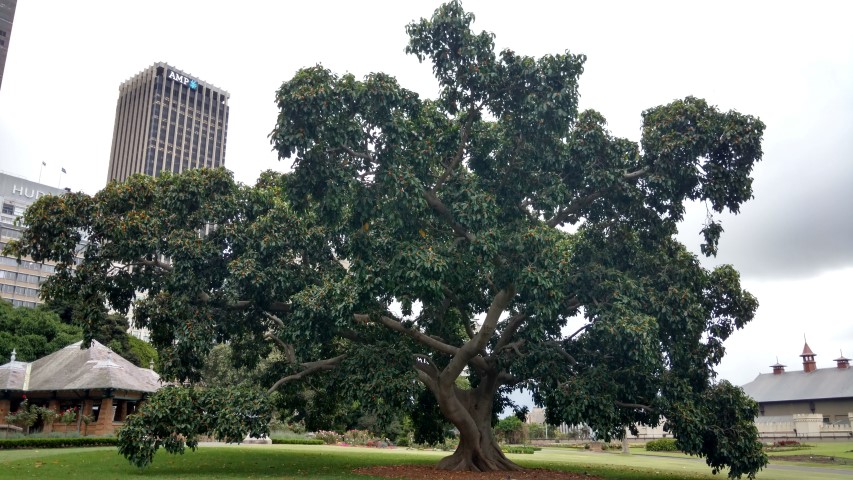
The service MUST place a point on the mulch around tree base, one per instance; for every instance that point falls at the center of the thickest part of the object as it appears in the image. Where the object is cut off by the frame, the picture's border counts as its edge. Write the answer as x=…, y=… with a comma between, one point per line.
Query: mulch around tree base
x=413, y=472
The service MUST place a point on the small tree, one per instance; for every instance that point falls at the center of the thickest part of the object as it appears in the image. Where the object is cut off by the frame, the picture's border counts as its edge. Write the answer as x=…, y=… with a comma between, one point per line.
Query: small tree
x=68, y=417
x=25, y=417
x=510, y=429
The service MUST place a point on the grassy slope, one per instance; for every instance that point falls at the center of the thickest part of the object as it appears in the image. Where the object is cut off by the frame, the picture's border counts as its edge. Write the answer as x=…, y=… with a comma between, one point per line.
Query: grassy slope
x=299, y=461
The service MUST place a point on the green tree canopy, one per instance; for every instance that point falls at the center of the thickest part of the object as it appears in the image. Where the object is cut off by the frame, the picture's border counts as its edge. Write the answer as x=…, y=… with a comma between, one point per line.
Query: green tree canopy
x=32, y=333
x=419, y=238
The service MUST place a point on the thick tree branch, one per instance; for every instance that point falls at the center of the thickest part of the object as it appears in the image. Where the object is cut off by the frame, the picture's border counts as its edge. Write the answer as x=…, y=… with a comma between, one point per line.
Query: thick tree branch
x=423, y=362
x=478, y=343
x=157, y=263
x=505, y=378
x=416, y=335
x=310, y=368
x=574, y=207
x=287, y=348
x=275, y=319
x=427, y=380
x=510, y=330
x=514, y=346
x=636, y=174
x=445, y=215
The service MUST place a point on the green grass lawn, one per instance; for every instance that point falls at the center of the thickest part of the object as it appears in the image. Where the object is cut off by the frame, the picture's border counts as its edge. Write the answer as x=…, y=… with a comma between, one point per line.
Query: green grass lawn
x=326, y=462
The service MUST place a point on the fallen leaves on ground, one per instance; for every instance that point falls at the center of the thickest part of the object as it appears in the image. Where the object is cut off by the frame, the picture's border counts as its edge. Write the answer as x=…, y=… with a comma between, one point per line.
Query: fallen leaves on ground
x=414, y=472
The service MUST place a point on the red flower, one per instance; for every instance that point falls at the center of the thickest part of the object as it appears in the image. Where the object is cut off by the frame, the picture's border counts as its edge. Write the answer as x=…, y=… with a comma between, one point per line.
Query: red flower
x=25, y=397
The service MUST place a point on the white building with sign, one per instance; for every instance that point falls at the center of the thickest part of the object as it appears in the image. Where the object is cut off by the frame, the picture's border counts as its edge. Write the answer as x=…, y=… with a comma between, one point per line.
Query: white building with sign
x=20, y=282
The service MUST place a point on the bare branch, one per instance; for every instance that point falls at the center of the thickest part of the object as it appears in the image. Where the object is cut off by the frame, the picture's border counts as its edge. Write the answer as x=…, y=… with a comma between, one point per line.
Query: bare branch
x=460, y=152
x=563, y=353
x=637, y=406
x=310, y=368
x=469, y=330
x=578, y=331
x=365, y=156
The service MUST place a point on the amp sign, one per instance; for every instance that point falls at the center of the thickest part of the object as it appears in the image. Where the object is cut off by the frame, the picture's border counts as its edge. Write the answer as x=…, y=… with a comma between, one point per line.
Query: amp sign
x=183, y=80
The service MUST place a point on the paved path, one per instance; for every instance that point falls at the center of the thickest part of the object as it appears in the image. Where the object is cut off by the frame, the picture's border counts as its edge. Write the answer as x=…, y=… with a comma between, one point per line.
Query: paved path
x=773, y=466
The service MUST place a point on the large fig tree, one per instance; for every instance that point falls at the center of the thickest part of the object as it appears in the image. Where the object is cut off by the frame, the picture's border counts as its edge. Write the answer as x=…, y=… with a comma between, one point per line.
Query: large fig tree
x=494, y=232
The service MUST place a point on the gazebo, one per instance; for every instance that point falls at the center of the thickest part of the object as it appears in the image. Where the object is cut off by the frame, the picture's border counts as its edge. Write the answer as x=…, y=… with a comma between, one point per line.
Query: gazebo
x=95, y=381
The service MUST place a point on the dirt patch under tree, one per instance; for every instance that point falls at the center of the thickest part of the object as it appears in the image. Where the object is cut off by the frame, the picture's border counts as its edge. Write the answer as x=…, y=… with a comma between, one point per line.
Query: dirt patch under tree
x=415, y=472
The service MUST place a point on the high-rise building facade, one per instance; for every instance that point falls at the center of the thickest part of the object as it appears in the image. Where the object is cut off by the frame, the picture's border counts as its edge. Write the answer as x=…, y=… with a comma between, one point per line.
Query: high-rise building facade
x=167, y=121
x=7, y=14
x=20, y=281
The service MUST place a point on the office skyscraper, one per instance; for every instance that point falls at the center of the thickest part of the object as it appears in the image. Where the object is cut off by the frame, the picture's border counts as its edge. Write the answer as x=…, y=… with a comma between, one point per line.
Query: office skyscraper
x=7, y=14
x=167, y=121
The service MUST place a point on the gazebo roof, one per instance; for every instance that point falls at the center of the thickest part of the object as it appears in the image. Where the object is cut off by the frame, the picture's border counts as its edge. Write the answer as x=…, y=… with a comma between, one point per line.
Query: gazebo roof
x=73, y=368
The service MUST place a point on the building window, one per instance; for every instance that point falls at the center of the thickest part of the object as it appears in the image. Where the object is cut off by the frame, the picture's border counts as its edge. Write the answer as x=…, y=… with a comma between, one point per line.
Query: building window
x=8, y=209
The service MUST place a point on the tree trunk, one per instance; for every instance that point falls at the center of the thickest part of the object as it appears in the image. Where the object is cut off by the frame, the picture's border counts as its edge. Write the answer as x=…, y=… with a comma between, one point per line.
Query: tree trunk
x=471, y=412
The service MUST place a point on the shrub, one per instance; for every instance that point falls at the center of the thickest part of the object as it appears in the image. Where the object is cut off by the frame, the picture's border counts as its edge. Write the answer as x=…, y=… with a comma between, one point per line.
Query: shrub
x=30, y=442
x=519, y=449
x=662, y=445
x=357, y=437
x=329, y=438
x=786, y=443
x=297, y=441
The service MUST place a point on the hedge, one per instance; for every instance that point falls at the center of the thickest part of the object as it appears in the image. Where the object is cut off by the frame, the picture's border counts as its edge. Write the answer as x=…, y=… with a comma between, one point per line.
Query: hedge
x=297, y=441
x=7, y=444
x=662, y=445
x=519, y=449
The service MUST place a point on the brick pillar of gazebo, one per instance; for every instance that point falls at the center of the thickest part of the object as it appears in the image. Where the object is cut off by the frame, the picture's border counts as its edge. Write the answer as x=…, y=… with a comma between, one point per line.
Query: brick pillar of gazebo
x=5, y=405
x=53, y=405
x=87, y=410
x=104, y=425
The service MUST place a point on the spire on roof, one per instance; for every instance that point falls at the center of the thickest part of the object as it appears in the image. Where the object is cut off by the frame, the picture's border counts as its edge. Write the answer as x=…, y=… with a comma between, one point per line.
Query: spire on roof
x=842, y=361
x=807, y=352
x=809, y=364
x=14, y=354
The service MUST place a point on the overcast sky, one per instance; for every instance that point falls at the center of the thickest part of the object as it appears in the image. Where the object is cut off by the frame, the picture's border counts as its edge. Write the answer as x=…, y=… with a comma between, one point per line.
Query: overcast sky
x=790, y=63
